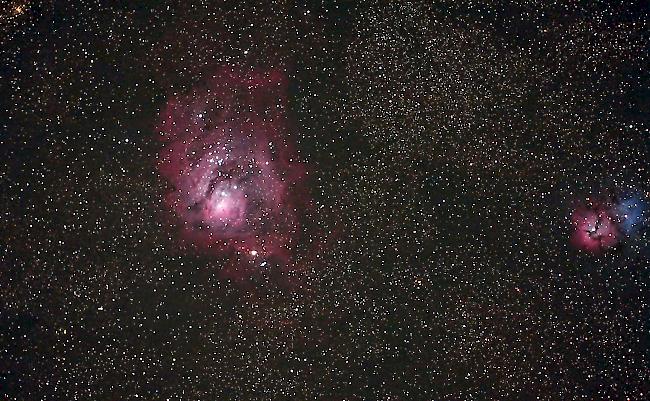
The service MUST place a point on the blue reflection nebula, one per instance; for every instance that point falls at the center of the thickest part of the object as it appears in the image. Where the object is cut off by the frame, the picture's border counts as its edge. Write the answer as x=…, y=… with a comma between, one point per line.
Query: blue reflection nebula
x=631, y=214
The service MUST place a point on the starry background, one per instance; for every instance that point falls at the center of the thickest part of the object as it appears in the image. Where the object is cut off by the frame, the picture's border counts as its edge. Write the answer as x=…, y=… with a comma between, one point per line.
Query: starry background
x=447, y=143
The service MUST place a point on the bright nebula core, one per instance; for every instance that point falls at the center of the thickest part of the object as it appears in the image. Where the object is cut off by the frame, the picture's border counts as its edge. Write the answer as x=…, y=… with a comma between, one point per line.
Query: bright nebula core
x=602, y=224
x=237, y=184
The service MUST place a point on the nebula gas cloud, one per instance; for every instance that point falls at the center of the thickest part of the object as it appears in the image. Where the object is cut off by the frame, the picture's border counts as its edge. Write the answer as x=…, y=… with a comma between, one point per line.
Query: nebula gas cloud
x=237, y=185
x=604, y=222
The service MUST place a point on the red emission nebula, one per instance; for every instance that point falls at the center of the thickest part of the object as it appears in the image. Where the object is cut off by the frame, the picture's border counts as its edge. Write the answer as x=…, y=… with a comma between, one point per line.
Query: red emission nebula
x=237, y=186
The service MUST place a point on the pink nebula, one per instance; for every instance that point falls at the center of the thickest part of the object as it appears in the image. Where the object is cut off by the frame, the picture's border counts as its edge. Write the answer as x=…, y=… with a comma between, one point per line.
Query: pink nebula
x=237, y=186
x=594, y=229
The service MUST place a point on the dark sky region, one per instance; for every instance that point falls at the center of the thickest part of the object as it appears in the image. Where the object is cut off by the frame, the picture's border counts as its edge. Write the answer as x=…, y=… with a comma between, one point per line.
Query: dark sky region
x=324, y=200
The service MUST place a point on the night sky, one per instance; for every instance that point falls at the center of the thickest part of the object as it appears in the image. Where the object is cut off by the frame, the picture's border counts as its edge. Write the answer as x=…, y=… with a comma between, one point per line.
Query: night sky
x=324, y=200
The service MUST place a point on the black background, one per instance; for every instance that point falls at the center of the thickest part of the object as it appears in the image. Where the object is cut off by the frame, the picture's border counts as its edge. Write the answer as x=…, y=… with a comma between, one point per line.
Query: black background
x=447, y=144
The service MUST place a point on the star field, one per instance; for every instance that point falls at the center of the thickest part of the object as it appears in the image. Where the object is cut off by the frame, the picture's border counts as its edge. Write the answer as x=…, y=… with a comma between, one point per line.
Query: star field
x=332, y=200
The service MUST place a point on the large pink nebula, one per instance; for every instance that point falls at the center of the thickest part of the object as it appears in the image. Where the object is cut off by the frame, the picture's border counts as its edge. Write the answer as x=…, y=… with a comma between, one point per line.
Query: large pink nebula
x=237, y=184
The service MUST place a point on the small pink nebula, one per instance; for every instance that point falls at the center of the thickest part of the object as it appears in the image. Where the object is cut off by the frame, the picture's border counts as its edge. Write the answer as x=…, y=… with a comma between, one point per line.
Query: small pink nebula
x=594, y=229
x=238, y=187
